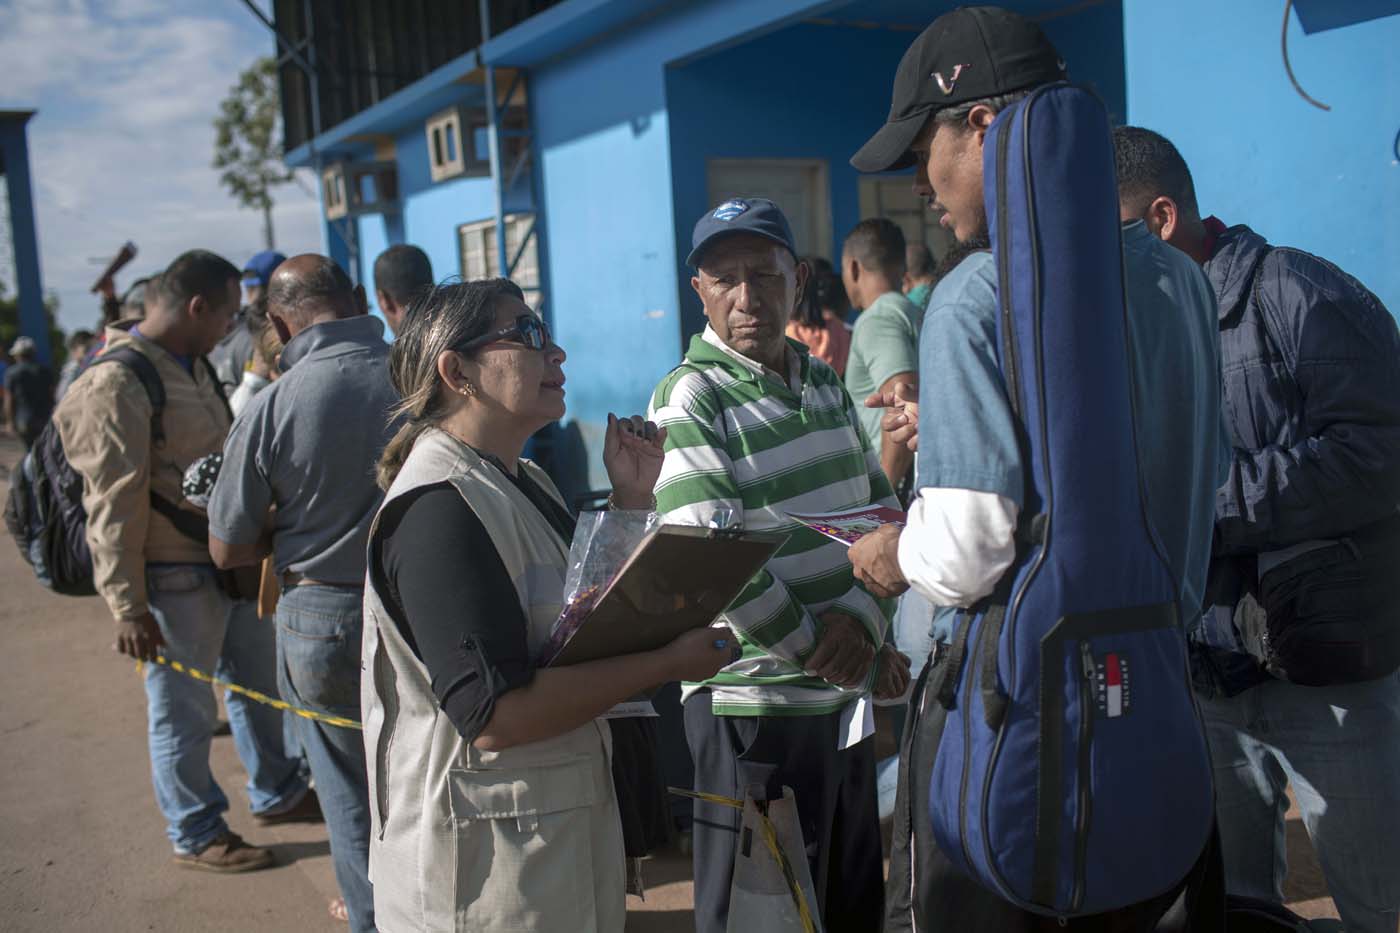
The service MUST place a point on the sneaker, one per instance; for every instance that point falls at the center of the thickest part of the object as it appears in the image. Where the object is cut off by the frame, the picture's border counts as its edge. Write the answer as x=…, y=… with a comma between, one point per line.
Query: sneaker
x=227, y=854
x=306, y=810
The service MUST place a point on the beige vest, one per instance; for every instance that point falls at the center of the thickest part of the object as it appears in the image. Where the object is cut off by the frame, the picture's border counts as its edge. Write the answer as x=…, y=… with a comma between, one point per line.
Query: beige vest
x=528, y=838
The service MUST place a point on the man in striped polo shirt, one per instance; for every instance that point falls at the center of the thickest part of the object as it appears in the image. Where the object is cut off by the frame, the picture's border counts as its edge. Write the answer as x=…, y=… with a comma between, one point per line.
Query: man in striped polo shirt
x=759, y=428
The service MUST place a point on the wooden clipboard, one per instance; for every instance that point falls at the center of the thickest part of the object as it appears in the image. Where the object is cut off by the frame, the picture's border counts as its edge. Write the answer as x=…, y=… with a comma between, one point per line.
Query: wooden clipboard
x=679, y=578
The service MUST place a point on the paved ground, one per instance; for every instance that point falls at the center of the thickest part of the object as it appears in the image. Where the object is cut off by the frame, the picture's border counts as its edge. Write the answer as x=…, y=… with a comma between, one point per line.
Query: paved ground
x=81, y=842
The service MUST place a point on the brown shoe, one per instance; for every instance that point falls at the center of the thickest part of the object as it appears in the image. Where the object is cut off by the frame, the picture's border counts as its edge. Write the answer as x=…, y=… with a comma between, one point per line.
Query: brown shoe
x=307, y=810
x=227, y=855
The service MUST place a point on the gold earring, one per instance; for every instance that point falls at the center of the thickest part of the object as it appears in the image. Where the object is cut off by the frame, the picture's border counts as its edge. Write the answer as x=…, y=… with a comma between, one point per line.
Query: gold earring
x=467, y=389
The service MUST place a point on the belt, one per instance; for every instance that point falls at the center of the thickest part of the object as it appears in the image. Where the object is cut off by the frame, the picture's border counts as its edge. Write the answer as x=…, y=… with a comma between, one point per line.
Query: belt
x=290, y=579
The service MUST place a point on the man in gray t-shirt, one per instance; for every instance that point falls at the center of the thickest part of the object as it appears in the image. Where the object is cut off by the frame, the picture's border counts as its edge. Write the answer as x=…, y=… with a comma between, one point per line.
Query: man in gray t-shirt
x=307, y=447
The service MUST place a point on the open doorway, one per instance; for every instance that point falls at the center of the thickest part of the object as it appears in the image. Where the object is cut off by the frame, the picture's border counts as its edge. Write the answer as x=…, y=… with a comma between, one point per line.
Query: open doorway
x=801, y=187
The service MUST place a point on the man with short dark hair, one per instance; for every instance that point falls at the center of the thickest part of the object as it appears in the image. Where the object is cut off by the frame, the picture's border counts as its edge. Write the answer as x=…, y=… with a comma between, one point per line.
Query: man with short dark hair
x=964, y=69
x=400, y=273
x=885, y=339
x=920, y=274
x=1307, y=540
x=744, y=406
x=291, y=450
x=28, y=393
x=155, y=573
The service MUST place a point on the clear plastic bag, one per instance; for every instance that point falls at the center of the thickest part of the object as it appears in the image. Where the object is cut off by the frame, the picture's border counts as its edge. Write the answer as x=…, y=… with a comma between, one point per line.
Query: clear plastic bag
x=602, y=543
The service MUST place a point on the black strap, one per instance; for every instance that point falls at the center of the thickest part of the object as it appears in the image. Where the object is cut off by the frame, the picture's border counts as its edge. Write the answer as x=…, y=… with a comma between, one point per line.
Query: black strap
x=994, y=702
x=217, y=384
x=946, y=688
x=191, y=525
x=149, y=377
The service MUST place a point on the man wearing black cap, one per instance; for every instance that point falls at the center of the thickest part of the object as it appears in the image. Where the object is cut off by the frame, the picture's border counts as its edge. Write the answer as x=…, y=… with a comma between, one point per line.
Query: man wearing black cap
x=959, y=540
x=742, y=412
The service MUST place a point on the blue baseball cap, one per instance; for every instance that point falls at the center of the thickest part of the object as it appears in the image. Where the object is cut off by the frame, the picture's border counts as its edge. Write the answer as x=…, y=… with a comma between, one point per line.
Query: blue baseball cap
x=258, y=270
x=758, y=216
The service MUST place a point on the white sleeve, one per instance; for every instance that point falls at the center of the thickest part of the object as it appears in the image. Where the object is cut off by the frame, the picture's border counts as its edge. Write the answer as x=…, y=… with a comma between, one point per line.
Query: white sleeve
x=957, y=544
x=250, y=385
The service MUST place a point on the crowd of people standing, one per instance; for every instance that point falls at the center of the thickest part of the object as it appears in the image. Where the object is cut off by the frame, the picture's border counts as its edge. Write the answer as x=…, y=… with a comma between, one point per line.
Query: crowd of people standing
x=371, y=545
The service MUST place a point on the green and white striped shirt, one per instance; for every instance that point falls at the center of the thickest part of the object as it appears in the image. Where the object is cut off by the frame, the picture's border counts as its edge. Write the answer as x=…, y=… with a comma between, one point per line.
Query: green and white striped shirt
x=741, y=437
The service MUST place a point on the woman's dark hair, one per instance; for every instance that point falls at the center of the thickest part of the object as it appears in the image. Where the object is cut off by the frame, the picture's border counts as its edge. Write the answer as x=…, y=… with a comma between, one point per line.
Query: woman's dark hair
x=437, y=321
x=830, y=294
x=809, y=306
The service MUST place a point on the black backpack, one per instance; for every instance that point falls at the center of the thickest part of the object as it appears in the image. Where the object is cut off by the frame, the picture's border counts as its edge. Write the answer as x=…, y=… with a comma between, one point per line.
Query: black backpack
x=44, y=510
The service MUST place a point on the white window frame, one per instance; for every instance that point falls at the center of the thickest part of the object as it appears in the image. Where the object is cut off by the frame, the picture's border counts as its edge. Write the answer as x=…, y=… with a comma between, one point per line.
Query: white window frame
x=476, y=248
x=333, y=194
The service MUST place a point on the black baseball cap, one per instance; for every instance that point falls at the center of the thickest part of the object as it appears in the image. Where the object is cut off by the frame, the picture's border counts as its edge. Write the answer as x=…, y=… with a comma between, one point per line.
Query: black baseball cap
x=758, y=216
x=968, y=54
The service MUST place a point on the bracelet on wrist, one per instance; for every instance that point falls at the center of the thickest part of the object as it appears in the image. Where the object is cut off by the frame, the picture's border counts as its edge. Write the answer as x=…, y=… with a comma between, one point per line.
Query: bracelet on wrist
x=614, y=506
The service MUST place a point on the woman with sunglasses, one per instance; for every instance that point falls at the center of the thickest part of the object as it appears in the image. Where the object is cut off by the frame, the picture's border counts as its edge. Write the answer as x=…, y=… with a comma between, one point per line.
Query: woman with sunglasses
x=492, y=803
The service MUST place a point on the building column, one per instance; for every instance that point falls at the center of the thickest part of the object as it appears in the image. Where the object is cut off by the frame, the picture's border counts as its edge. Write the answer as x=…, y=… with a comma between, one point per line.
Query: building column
x=14, y=164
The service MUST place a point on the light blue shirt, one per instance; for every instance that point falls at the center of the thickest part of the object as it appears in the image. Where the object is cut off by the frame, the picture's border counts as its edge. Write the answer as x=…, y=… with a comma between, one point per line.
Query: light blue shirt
x=967, y=432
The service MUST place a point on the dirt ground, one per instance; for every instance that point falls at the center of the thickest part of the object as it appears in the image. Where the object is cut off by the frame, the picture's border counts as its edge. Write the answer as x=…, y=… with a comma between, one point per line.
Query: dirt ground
x=82, y=846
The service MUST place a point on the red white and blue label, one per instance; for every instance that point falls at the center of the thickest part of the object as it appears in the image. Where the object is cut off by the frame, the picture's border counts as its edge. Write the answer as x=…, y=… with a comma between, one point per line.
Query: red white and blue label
x=1113, y=685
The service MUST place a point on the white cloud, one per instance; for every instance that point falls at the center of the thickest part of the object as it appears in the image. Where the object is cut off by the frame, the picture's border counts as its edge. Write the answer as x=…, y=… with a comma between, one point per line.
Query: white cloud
x=121, y=147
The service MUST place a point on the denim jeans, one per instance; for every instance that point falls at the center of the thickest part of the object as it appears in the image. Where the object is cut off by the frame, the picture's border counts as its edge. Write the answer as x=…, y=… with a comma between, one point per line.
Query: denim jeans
x=205, y=629
x=318, y=668
x=1339, y=747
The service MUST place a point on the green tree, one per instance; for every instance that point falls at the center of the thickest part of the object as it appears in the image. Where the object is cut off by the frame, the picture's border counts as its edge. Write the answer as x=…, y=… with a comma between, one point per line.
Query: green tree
x=247, y=144
x=9, y=324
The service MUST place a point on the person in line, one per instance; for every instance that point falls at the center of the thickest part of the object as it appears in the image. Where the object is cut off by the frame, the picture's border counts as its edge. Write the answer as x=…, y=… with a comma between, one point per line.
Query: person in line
x=79, y=342
x=290, y=449
x=885, y=342
x=130, y=308
x=159, y=582
x=959, y=539
x=262, y=364
x=742, y=408
x=1306, y=534
x=913, y=619
x=231, y=356
x=400, y=274
x=28, y=393
x=492, y=800
x=819, y=320
x=920, y=274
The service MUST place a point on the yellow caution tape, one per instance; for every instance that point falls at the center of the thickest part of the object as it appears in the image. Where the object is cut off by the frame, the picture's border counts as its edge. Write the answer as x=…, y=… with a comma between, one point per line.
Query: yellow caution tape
x=254, y=695
x=770, y=836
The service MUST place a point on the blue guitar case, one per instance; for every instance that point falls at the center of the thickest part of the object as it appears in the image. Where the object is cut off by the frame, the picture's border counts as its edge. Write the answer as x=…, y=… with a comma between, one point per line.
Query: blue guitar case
x=1072, y=776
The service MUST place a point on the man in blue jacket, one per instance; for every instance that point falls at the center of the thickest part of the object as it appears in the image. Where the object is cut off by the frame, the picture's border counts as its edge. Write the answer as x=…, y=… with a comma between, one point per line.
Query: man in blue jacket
x=1297, y=663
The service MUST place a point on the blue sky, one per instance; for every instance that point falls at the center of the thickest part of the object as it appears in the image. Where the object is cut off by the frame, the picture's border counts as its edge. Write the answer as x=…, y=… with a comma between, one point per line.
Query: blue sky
x=121, y=146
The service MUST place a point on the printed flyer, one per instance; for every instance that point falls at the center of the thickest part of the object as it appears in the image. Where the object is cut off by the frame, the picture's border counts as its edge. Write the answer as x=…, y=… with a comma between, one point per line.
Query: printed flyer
x=851, y=525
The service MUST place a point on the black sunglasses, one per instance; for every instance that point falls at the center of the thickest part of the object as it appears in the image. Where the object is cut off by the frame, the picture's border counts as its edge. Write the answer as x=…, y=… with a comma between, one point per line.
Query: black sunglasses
x=529, y=330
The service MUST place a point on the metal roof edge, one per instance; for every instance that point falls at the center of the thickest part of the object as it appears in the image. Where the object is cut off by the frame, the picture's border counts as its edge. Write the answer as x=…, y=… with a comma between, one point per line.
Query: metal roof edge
x=560, y=28
x=394, y=109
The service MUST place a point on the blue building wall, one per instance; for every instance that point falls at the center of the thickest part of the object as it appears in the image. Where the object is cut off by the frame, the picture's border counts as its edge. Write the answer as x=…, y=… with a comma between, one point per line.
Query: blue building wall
x=819, y=91
x=603, y=140
x=429, y=213
x=14, y=166
x=625, y=126
x=806, y=92
x=1328, y=182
